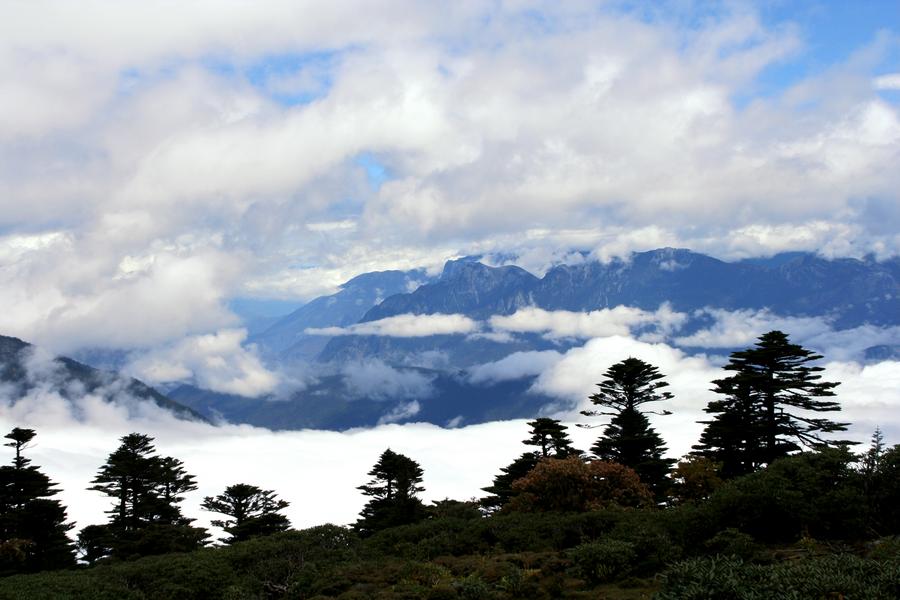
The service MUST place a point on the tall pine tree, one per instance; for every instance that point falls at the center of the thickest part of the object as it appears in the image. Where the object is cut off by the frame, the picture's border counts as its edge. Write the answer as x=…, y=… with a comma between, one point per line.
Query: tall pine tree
x=629, y=439
x=32, y=523
x=768, y=407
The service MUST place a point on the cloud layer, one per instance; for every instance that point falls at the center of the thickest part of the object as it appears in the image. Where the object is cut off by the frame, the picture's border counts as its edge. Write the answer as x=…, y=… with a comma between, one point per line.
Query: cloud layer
x=75, y=436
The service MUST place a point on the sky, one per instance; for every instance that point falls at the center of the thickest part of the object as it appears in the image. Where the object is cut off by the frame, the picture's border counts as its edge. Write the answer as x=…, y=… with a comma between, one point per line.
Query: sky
x=160, y=162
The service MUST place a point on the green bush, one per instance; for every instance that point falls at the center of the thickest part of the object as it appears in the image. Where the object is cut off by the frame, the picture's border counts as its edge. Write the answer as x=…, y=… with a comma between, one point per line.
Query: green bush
x=604, y=560
x=815, y=492
x=840, y=576
x=732, y=542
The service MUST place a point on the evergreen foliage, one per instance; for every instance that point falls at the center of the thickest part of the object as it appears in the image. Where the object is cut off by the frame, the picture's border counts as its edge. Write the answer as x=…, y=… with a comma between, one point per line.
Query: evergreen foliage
x=32, y=523
x=629, y=439
x=550, y=436
x=501, y=490
x=393, y=488
x=253, y=511
x=764, y=414
x=145, y=517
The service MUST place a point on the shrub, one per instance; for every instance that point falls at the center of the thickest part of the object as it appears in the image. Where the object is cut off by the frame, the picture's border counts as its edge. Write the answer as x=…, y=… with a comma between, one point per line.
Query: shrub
x=841, y=576
x=604, y=560
x=572, y=485
x=732, y=542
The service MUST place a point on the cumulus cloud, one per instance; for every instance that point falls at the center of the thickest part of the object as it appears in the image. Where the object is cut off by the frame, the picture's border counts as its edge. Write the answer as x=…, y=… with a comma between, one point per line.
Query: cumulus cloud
x=217, y=362
x=407, y=325
x=168, y=166
x=599, y=323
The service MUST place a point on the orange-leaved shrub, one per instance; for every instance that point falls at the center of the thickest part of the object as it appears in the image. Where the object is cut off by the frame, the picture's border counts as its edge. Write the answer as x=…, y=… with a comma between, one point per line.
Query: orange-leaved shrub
x=573, y=485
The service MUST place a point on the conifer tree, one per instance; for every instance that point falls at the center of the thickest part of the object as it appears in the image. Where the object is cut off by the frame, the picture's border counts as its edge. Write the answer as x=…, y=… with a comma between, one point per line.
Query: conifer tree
x=145, y=517
x=393, y=488
x=550, y=436
x=254, y=512
x=501, y=490
x=32, y=524
x=765, y=413
x=629, y=439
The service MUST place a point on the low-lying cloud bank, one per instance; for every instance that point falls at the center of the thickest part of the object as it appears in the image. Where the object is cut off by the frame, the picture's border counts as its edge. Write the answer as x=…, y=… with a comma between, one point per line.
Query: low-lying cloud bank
x=722, y=329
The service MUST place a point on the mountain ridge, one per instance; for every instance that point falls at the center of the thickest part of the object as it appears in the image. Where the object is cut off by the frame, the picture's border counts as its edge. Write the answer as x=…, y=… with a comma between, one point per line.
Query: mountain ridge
x=14, y=375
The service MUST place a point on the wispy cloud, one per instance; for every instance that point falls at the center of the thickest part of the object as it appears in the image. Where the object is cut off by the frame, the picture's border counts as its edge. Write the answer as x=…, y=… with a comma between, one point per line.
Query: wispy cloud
x=407, y=325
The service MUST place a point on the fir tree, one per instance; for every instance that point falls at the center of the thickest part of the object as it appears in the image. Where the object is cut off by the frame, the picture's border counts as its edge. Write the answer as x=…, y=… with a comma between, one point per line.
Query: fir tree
x=629, y=439
x=32, y=524
x=393, y=488
x=145, y=517
x=501, y=490
x=550, y=436
x=254, y=512
x=765, y=413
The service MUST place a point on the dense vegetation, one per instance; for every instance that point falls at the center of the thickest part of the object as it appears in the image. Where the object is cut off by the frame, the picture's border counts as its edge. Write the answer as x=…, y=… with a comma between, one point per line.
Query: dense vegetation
x=765, y=507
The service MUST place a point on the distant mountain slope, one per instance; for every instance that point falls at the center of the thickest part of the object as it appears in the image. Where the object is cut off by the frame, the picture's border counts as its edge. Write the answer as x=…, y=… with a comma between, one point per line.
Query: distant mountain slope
x=467, y=287
x=357, y=296
x=71, y=378
x=849, y=291
x=329, y=404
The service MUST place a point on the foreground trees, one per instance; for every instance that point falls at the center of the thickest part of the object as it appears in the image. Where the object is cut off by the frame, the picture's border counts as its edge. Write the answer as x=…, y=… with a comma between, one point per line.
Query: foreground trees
x=629, y=439
x=764, y=412
x=145, y=517
x=32, y=523
x=395, y=482
x=253, y=511
x=552, y=440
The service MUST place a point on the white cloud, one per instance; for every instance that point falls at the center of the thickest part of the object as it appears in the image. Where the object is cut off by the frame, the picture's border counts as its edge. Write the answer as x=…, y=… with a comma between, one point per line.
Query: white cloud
x=130, y=139
x=733, y=329
x=217, y=362
x=514, y=366
x=401, y=412
x=599, y=323
x=740, y=328
x=891, y=81
x=376, y=380
x=407, y=325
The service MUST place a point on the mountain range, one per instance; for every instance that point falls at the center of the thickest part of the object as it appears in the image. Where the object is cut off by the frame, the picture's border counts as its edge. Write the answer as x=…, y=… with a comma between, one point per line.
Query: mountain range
x=848, y=292
x=359, y=379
